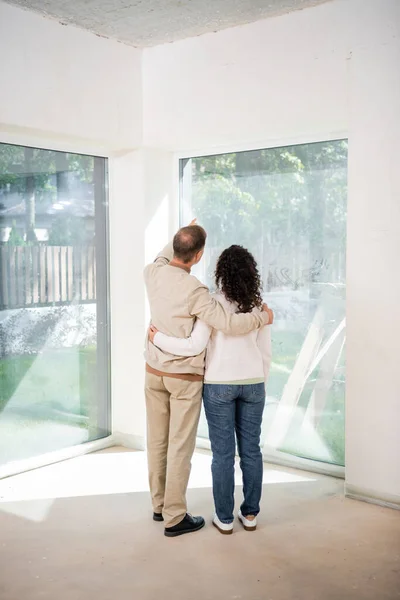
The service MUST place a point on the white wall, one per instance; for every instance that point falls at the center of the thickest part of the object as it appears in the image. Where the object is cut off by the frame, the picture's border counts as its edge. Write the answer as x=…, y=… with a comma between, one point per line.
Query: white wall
x=234, y=87
x=280, y=78
x=127, y=297
x=310, y=75
x=373, y=290
x=142, y=194
x=61, y=82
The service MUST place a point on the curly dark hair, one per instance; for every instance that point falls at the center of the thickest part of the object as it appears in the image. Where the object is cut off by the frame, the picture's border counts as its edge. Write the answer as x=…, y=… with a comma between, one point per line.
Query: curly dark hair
x=237, y=276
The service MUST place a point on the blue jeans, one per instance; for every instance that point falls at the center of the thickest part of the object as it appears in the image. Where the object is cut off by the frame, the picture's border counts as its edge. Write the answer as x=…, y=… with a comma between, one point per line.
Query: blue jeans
x=230, y=409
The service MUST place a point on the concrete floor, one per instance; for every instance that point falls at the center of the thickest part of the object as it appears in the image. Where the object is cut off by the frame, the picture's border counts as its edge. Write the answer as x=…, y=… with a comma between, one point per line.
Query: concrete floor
x=81, y=530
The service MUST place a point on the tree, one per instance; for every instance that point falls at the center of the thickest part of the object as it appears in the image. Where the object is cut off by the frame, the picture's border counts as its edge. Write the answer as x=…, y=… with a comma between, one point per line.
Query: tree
x=40, y=182
x=62, y=176
x=287, y=205
x=29, y=196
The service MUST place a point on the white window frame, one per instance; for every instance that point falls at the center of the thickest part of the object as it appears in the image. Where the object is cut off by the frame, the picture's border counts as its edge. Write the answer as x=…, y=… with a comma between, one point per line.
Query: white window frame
x=65, y=144
x=275, y=457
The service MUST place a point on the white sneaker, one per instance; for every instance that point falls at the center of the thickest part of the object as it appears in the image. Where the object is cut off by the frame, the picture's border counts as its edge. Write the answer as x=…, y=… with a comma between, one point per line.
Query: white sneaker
x=247, y=524
x=224, y=528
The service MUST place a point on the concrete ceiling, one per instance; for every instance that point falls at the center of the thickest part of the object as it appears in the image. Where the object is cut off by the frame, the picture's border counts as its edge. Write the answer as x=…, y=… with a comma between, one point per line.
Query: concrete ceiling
x=144, y=23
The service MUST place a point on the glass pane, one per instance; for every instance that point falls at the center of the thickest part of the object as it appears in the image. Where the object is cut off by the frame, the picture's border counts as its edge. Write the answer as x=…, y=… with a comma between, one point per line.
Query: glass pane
x=53, y=308
x=288, y=207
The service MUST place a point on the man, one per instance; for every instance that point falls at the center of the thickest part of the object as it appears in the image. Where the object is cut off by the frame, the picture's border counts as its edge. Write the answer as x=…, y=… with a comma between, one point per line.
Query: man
x=173, y=385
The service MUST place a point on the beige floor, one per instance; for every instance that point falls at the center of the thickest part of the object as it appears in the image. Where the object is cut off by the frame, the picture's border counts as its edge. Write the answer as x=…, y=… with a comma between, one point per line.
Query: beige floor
x=81, y=530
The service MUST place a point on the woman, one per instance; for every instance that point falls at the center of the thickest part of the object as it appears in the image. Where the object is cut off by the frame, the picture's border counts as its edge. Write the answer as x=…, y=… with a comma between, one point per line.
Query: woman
x=237, y=368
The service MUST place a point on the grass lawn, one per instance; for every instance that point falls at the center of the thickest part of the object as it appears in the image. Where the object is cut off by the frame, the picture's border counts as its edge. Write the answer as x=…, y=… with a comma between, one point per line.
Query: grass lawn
x=329, y=432
x=327, y=439
x=60, y=385
x=50, y=383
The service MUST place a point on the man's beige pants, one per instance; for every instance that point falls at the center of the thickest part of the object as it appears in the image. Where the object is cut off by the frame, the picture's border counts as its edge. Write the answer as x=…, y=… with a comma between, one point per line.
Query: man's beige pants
x=173, y=410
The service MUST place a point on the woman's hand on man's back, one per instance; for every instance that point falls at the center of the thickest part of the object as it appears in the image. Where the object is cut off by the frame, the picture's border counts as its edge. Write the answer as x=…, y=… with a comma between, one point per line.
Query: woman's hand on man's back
x=152, y=332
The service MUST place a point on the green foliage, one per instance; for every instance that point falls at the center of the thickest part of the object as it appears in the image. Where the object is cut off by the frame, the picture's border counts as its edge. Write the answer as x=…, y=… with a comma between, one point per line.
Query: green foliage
x=82, y=166
x=219, y=203
x=64, y=381
x=11, y=161
x=276, y=202
x=37, y=178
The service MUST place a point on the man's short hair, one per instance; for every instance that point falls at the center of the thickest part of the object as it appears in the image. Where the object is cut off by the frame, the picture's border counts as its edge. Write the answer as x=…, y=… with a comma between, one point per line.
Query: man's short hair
x=188, y=241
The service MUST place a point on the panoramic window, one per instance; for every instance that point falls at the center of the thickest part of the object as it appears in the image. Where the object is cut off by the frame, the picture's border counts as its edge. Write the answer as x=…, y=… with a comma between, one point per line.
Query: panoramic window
x=288, y=207
x=54, y=382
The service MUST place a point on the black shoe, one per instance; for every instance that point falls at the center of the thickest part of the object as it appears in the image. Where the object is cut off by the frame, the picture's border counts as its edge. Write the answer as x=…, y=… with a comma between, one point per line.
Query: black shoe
x=158, y=517
x=187, y=525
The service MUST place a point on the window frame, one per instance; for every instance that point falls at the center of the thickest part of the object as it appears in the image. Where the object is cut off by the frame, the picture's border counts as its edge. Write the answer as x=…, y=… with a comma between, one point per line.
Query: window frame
x=102, y=220
x=272, y=456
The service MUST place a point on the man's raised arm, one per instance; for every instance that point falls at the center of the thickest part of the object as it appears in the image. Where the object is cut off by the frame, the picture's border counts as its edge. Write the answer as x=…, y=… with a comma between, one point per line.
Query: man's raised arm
x=165, y=256
x=162, y=259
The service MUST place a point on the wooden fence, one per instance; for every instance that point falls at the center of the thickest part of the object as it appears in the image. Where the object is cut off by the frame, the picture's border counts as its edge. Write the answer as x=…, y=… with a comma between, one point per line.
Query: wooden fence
x=35, y=276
